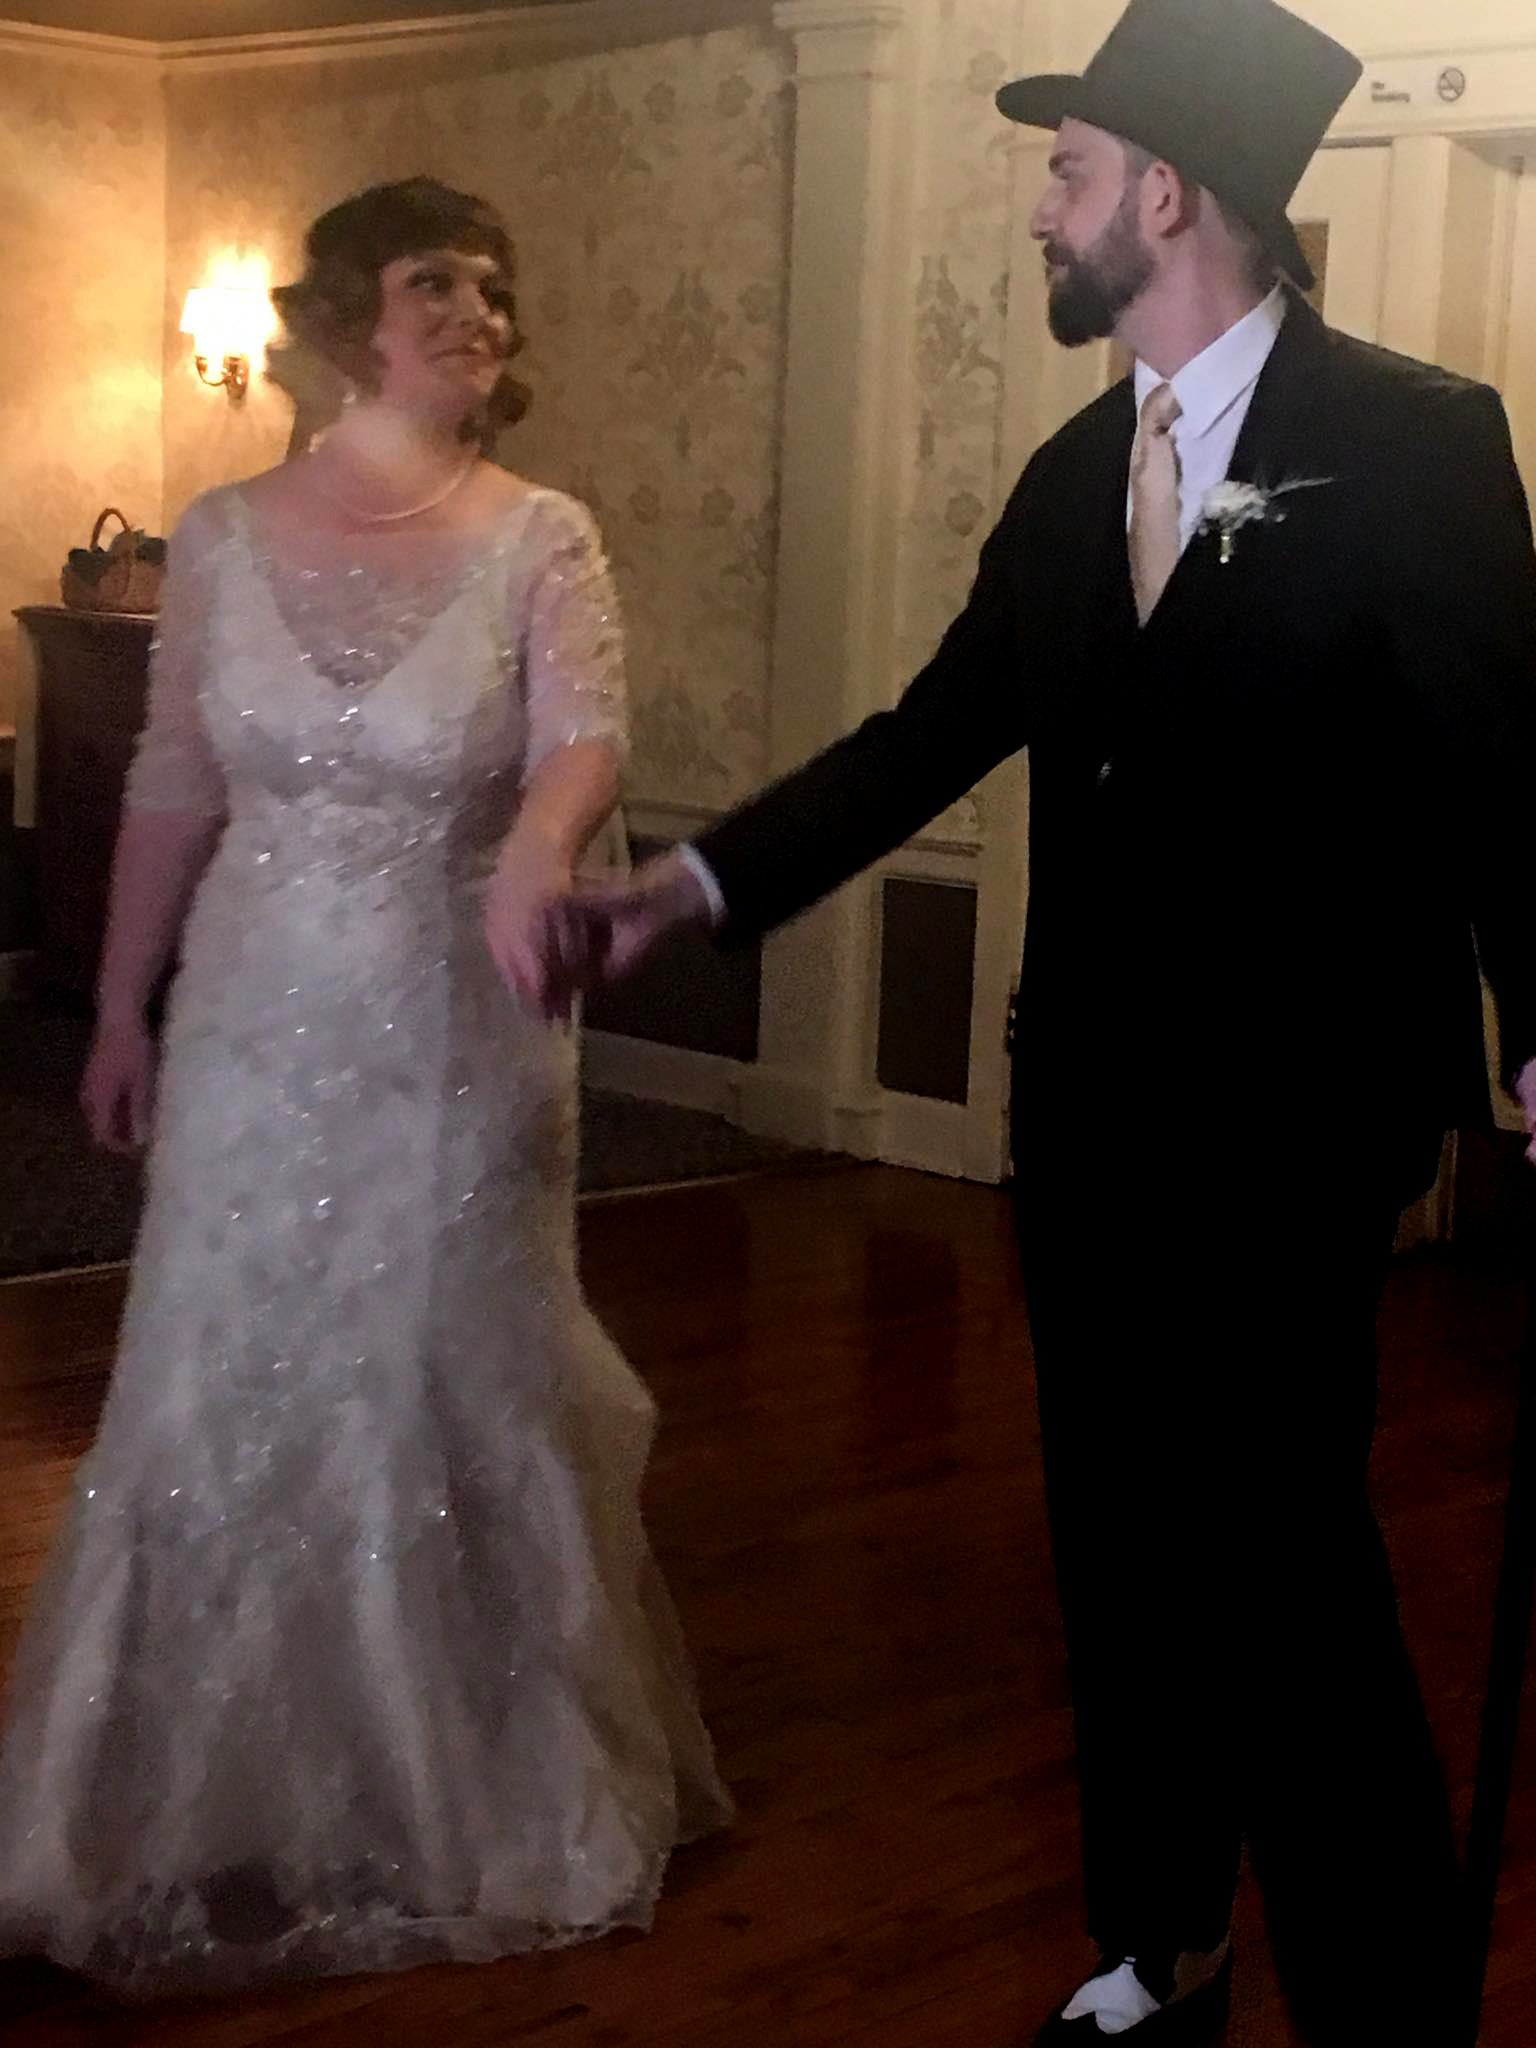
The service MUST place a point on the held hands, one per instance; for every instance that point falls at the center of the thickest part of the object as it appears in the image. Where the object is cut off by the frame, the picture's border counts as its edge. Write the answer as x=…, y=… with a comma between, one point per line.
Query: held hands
x=117, y=1093
x=589, y=937
x=529, y=881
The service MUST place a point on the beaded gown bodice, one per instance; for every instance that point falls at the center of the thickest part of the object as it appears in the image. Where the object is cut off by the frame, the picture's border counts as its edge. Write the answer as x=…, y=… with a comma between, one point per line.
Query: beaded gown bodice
x=352, y=1653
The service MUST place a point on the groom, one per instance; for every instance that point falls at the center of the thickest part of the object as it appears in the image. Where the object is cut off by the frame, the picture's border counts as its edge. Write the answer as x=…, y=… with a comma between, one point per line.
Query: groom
x=1281, y=737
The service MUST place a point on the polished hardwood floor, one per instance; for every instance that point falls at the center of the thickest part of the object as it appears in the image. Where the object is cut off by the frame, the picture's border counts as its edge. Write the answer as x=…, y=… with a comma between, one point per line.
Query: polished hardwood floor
x=846, y=1497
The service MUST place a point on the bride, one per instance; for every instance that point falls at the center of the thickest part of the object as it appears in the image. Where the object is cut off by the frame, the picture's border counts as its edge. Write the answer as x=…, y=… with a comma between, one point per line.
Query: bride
x=352, y=1654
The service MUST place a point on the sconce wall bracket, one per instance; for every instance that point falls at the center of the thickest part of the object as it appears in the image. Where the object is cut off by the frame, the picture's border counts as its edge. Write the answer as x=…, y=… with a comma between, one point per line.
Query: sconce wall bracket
x=235, y=379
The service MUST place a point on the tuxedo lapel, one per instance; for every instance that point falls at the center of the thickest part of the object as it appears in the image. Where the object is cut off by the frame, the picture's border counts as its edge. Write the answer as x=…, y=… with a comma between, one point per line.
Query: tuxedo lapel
x=1106, y=564
x=1271, y=449
x=1277, y=429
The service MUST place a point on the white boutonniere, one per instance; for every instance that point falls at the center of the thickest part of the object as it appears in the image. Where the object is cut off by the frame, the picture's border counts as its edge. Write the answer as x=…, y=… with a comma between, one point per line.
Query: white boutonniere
x=1227, y=508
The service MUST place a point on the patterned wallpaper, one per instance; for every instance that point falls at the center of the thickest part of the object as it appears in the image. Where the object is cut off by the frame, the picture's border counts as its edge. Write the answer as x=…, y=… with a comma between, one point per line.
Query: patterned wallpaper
x=960, y=307
x=648, y=192
x=959, y=314
x=82, y=161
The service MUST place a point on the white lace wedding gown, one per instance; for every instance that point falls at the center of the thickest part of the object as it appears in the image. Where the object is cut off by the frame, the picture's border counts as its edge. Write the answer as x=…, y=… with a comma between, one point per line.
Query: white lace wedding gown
x=352, y=1654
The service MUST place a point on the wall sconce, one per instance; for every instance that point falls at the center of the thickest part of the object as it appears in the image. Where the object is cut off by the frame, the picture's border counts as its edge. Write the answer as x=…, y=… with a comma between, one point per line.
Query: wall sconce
x=228, y=324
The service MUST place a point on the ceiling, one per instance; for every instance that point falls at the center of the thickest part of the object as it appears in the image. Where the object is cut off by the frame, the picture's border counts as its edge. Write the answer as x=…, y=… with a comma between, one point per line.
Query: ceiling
x=183, y=20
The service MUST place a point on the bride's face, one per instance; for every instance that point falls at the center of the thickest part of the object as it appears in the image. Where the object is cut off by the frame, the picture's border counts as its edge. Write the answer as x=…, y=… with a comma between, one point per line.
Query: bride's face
x=443, y=330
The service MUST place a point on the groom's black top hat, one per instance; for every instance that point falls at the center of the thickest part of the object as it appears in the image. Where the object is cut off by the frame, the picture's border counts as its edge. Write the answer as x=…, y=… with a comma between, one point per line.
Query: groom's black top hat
x=1237, y=94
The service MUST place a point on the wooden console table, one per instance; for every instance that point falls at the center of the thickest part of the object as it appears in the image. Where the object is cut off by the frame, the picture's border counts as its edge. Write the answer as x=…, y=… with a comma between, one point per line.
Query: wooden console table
x=84, y=685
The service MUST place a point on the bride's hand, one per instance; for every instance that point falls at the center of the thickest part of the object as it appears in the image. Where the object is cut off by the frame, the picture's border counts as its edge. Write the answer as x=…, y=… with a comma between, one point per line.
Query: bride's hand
x=527, y=883
x=603, y=931
x=117, y=1092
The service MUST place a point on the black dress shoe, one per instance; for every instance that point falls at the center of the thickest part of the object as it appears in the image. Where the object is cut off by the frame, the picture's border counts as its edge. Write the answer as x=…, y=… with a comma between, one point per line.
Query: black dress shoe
x=1194, y=2022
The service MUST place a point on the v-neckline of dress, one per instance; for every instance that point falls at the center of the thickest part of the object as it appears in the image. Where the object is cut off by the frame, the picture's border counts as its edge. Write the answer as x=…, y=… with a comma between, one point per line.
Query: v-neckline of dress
x=476, y=564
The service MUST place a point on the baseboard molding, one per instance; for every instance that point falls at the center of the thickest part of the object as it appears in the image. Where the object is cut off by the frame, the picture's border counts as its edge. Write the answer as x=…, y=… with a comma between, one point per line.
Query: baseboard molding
x=928, y=1135
x=663, y=1073
x=769, y=1101
x=776, y=1103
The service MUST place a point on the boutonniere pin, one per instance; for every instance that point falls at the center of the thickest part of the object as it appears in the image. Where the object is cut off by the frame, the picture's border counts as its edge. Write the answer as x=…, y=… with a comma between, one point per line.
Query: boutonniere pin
x=1227, y=508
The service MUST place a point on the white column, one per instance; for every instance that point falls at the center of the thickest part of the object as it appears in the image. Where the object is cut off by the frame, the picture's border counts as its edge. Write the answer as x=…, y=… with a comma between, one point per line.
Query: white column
x=1448, y=249
x=833, y=657
x=1520, y=356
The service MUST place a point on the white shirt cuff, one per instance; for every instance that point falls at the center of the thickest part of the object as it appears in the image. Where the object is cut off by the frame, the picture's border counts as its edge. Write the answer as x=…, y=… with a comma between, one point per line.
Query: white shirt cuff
x=704, y=875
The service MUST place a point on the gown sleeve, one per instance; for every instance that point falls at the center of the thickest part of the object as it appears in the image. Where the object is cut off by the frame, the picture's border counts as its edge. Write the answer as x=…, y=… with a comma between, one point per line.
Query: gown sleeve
x=574, y=644
x=175, y=770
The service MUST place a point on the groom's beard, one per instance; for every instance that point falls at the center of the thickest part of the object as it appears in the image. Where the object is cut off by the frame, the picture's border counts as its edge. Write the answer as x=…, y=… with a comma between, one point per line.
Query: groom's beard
x=1088, y=293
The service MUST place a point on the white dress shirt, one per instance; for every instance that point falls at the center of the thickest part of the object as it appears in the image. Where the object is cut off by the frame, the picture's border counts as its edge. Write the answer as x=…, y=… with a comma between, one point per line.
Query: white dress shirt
x=1214, y=392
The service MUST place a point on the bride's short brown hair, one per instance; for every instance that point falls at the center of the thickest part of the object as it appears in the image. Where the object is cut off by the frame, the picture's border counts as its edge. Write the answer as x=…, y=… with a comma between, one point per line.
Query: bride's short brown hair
x=334, y=307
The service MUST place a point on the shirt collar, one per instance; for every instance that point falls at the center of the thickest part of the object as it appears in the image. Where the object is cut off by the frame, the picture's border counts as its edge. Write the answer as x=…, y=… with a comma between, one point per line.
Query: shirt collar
x=1208, y=387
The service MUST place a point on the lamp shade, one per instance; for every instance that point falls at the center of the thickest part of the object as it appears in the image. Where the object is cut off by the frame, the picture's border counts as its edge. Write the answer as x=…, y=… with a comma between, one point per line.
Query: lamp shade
x=226, y=320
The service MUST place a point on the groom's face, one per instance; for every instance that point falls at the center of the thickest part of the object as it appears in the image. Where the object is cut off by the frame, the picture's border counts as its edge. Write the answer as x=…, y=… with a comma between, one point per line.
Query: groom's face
x=1097, y=259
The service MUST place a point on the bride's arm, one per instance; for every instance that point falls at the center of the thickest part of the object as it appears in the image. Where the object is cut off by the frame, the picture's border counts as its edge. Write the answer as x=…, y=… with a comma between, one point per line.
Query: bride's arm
x=173, y=814
x=568, y=800
x=574, y=678
x=156, y=868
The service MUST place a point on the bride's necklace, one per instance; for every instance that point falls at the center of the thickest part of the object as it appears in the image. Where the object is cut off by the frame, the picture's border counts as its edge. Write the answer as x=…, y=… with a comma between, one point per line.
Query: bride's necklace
x=437, y=498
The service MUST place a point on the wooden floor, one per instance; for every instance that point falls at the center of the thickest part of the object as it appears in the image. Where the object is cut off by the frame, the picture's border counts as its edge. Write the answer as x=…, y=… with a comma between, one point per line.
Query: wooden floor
x=848, y=1503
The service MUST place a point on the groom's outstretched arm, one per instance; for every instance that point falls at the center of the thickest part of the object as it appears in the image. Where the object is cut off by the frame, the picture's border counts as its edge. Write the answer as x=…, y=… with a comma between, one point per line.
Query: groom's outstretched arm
x=795, y=842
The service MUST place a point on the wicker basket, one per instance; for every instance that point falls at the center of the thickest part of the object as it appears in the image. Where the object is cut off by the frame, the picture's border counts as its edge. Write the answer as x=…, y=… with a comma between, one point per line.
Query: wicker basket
x=126, y=584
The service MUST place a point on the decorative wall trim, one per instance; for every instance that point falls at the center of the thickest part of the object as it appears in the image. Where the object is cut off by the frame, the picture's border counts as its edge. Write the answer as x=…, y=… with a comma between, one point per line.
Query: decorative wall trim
x=947, y=856
x=27, y=38
x=840, y=39
x=799, y=17
x=525, y=34
x=521, y=34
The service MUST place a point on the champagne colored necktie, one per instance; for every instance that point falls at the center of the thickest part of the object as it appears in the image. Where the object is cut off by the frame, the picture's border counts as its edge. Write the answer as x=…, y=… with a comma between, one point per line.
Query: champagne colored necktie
x=1154, y=535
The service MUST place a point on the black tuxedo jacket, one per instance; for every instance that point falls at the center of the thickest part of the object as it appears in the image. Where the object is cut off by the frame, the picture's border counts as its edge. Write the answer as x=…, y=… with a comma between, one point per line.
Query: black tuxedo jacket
x=1265, y=829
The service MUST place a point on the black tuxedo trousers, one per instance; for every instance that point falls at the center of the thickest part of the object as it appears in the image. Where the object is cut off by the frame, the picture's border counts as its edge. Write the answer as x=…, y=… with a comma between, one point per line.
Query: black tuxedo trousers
x=1203, y=1320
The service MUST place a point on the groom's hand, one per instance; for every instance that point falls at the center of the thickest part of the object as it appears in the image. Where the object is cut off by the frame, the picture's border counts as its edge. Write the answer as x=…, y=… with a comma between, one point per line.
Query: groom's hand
x=602, y=931
x=1525, y=1089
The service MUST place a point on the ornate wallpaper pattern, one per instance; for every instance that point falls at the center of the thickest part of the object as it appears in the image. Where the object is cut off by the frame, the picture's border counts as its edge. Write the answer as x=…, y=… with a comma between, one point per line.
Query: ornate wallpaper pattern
x=648, y=193
x=959, y=315
x=82, y=163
